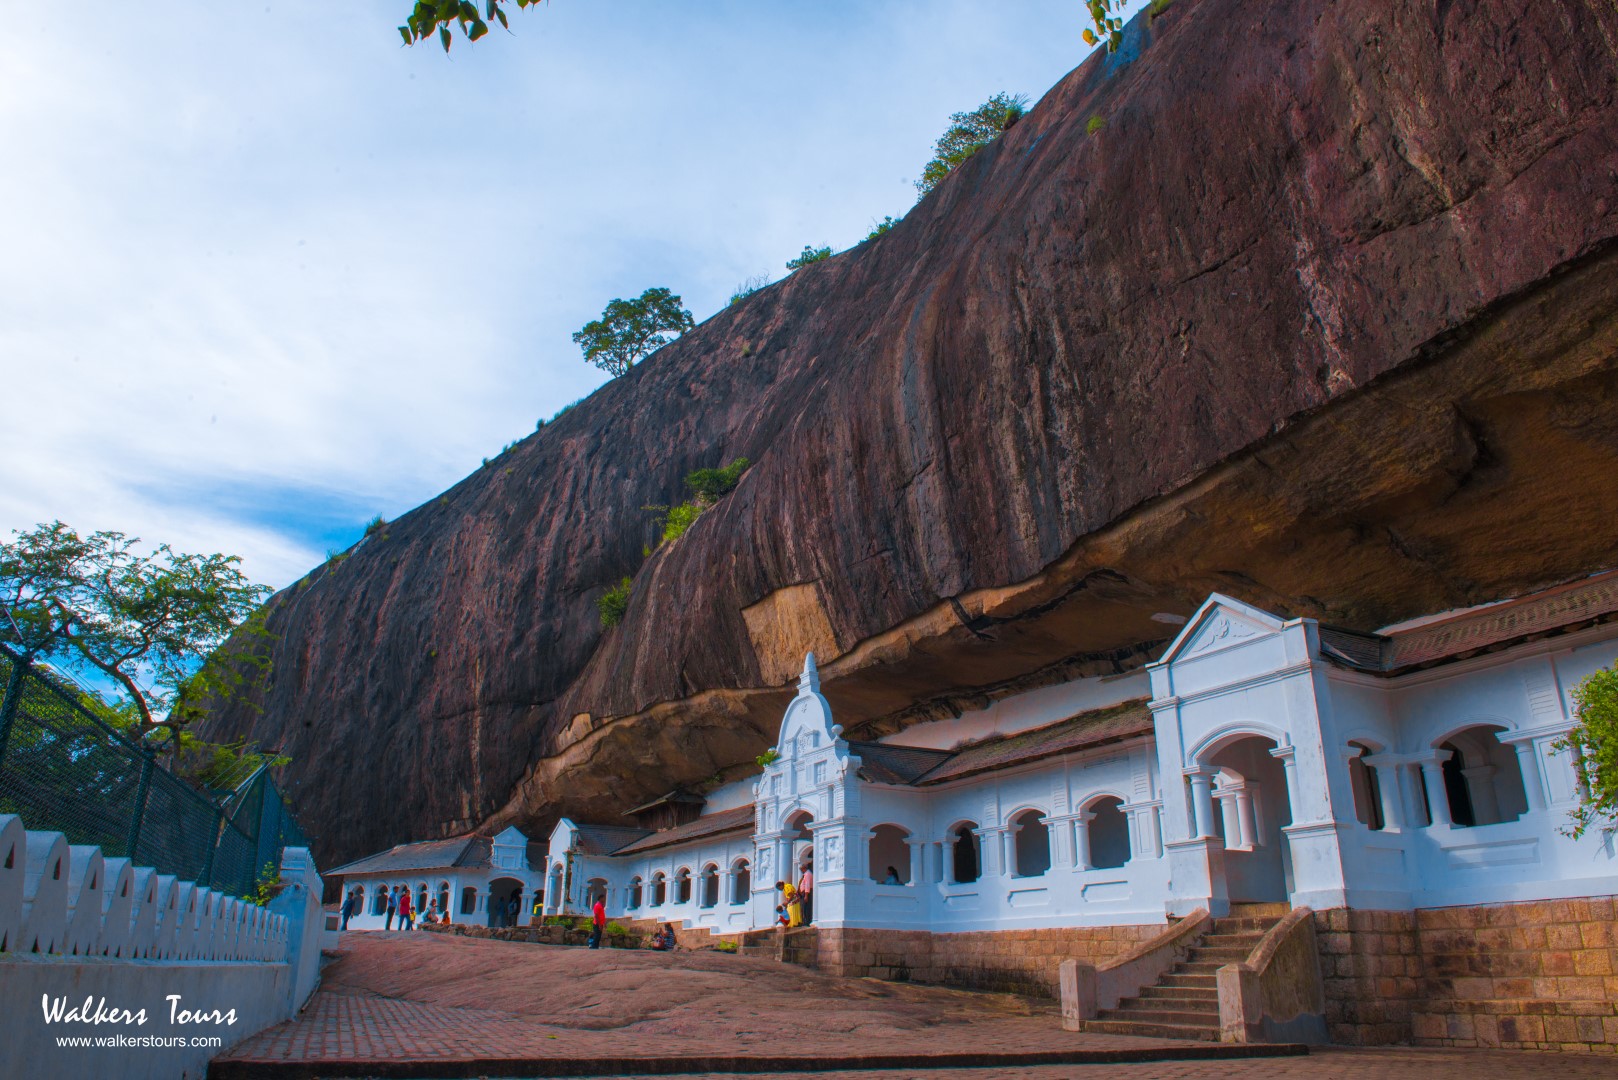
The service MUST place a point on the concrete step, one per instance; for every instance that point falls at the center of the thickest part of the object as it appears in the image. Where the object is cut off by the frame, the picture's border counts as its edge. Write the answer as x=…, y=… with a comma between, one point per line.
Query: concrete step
x=1182, y=1017
x=1153, y=1031
x=1243, y=925
x=1277, y=909
x=1190, y=1006
x=1247, y=941
x=1225, y=954
x=1209, y=968
x=1187, y=980
x=1161, y=992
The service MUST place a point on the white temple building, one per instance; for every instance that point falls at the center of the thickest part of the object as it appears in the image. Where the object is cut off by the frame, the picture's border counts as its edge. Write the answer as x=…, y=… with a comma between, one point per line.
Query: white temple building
x=473, y=878
x=1259, y=759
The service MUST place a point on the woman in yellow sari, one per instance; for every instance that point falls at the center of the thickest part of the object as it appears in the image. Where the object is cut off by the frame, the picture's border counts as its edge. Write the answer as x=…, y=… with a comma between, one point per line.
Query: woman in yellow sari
x=793, y=902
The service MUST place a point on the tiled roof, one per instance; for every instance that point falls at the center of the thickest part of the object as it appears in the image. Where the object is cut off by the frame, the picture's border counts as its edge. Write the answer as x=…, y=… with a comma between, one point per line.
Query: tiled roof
x=426, y=855
x=885, y=763
x=1543, y=612
x=675, y=796
x=1096, y=727
x=606, y=839
x=708, y=825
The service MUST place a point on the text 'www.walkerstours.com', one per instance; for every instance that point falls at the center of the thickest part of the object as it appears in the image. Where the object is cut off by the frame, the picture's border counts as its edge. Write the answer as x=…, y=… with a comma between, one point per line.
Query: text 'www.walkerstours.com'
x=131, y=1042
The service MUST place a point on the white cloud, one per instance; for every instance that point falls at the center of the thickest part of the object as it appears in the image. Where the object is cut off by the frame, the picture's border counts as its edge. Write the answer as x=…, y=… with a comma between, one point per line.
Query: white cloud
x=246, y=253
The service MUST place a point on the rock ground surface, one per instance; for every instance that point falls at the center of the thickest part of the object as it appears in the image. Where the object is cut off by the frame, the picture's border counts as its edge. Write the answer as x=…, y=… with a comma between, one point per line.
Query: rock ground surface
x=1320, y=317
x=420, y=998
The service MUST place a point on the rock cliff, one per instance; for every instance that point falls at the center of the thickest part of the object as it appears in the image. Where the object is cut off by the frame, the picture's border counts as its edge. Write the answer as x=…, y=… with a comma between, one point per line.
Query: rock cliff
x=1321, y=315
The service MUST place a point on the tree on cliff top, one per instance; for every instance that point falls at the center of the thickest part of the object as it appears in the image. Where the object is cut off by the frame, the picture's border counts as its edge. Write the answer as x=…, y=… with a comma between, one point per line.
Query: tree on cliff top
x=1594, y=742
x=968, y=133
x=631, y=330
x=148, y=622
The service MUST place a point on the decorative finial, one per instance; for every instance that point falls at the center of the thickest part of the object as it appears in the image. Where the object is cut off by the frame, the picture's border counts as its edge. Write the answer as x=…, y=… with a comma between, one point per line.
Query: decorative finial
x=809, y=681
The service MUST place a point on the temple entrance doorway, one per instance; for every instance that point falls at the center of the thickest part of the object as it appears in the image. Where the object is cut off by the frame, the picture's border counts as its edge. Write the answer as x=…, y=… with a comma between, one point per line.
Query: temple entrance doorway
x=502, y=891
x=1250, y=810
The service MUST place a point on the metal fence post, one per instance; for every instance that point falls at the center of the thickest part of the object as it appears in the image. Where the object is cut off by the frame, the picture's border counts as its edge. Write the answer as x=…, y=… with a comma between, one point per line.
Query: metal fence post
x=213, y=849
x=8, y=705
x=140, y=802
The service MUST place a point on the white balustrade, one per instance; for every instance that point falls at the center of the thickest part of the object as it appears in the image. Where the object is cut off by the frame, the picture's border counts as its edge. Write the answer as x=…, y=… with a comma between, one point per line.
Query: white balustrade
x=71, y=900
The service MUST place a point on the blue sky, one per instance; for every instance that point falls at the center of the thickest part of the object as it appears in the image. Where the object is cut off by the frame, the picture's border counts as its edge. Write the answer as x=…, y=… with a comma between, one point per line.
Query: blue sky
x=265, y=274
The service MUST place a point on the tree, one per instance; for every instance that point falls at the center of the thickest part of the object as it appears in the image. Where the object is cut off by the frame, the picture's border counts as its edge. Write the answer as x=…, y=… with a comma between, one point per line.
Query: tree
x=430, y=17
x=631, y=330
x=148, y=622
x=1594, y=743
x=968, y=133
x=807, y=256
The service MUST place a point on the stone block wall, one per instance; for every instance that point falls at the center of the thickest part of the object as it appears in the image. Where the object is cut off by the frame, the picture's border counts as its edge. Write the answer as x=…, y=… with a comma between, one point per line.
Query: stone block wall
x=1011, y=961
x=1538, y=976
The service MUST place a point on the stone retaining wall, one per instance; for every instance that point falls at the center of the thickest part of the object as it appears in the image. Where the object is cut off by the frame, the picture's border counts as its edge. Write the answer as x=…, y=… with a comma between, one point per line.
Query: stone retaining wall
x=1539, y=976
x=1012, y=961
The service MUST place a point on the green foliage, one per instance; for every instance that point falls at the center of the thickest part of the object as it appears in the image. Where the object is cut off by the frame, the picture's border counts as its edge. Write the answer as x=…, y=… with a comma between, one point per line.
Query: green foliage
x=749, y=287
x=434, y=17
x=707, y=486
x=1157, y=7
x=613, y=603
x=807, y=256
x=334, y=557
x=616, y=929
x=563, y=411
x=1107, y=20
x=711, y=484
x=268, y=887
x=1594, y=744
x=725, y=947
x=631, y=330
x=143, y=620
x=888, y=222
x=1095, y=124
x=768, y=758
x=968, y=133
x=376, y=525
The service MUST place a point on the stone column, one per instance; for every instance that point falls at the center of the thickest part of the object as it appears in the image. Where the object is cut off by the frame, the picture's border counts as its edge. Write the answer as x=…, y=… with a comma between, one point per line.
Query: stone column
x=946, y=861
x=918, y=861
x=1245, y=823
x=1480, y=784
x=1432, y=770
x=1202, y=808
x=1081, y=840
x=1390, y=783
x=1528, y=764
x=1288, y=757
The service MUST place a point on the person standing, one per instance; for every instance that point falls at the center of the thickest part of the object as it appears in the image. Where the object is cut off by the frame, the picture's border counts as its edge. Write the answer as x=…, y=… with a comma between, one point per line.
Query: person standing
x=806, y=891
x=406, y=922
x=598, y=921
x=348, y=909
x=393, y=906
x=792, y=902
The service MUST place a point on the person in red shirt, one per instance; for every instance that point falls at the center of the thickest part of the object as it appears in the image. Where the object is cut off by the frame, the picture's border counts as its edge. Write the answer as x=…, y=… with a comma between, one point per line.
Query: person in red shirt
x=407, y=920
x=598, y=920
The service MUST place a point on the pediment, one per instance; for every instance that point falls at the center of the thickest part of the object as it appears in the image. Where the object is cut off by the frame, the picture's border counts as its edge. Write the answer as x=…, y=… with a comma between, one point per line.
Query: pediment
x=1222, y=623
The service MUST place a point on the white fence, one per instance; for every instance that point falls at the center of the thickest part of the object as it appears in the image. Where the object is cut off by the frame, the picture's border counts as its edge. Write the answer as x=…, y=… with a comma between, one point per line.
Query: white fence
x=98, y=959
x=67, y=899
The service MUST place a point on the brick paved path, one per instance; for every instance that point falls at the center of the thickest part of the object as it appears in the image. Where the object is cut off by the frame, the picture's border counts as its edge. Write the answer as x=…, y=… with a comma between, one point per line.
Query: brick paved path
x=1391, y=1063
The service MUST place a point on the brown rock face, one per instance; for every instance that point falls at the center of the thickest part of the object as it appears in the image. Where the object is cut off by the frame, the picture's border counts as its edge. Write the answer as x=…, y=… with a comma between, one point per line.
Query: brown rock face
x=1323, y=317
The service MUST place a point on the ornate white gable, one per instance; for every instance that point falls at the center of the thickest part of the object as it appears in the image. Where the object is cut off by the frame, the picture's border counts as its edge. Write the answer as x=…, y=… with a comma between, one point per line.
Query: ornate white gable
x=1221, y=623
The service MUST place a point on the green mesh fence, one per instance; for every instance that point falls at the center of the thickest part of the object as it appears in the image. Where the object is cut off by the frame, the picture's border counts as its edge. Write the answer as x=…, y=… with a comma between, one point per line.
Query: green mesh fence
x=65, y=769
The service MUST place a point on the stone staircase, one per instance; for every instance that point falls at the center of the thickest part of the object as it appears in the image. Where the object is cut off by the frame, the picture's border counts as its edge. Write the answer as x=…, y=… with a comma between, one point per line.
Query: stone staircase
x=1184, y=1004
x=796, y=946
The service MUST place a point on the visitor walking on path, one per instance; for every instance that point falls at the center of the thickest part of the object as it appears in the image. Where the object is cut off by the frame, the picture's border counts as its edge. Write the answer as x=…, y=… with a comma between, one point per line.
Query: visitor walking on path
x=806, y=891
x=393, y=906
x=406, y=921
x=598, y=921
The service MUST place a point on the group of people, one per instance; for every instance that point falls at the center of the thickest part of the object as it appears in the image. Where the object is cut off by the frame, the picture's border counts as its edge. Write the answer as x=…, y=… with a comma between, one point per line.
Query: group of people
x=399, y=904
x=797, y=900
